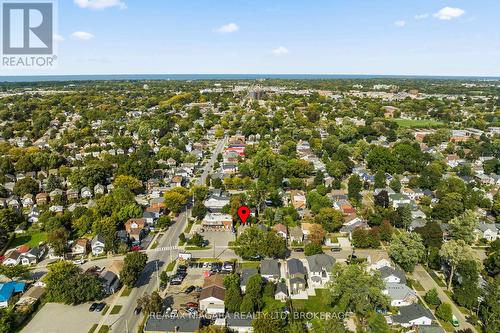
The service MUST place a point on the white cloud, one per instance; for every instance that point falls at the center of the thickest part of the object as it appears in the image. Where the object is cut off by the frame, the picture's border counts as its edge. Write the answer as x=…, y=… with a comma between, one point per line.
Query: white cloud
x=400, y=23
x=279, y=51
x=58, y=38
x=82, y=35
x=100, y=4
x=227, y=28
x=421, y=16
x=449, y=13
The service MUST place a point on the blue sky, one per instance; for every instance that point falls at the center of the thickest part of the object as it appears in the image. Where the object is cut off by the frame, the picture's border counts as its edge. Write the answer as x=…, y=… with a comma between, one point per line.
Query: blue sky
x=425, y=37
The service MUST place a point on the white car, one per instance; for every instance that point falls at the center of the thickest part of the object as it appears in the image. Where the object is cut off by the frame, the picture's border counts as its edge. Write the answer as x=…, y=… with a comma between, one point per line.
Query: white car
x=80, y=261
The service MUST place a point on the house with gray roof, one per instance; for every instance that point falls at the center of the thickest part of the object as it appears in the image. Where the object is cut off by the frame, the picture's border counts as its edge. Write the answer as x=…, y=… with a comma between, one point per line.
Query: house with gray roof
x=239, y=322
x=488, y=231
x=296, y=273
x=270, y=269
x=246, y=274
x=411, y=315
x=320, y=269
x=400, y=294
x=185, y=324
x=281, y=292
x=392, y=275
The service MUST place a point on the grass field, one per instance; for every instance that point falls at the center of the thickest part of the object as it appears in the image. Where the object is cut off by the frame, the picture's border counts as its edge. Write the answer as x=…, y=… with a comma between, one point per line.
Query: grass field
x=92, y=329
x=126, y=292
x=413, y=123
x=318, y=303
x=104, y=329
x=31, y=239
x=116, y=309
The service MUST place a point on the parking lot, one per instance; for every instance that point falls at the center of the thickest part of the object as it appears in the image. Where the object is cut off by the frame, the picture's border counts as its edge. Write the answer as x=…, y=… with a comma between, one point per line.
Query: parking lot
x=176, y=297
x=60, y=318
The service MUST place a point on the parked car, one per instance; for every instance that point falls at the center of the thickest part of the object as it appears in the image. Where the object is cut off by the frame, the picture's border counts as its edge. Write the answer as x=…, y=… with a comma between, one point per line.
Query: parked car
x=93, y=306
x=207, y=265
x=192, y=305
x=79, y=261
x=175, y=282
x=336, y=249
x=189, y=289
x=181, y=268
x=137, y=310
x=100, y=307
x=298, y=249
x=136, y=248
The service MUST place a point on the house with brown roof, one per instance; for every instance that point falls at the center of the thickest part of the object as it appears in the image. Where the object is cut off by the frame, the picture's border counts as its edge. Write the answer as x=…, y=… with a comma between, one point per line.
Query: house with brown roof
x=135, y=228
x=298, y=199
x=212, y=300
x=42, y=198
x=281, y=230
x=80, y=247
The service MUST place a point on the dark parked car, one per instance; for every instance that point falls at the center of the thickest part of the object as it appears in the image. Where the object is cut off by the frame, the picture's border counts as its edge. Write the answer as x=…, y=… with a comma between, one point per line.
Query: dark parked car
x=181, y=268
x=93, y=307
x=298, y=249
x=175, y=282
x=336, y=249
x=100, y=307
x=189, y=289
x=137, y=310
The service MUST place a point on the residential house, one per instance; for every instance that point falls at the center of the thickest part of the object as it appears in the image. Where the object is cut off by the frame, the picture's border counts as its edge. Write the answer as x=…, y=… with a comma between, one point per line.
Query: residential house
x=413, y=314
x=30, y=257
x=281, y=230
x=79, y=247
x=246, y=274
x=97, y=244
x=298, y=199
x=86, y=193
x=217, y=222
x=488, y=231
x=296, y=274
x=176, y=181
x=320, y=268
x=99, y=189
x=270, y=270
x=392, y=275
x=7, y=290
x=296, y=234
x=110, y=282
x=281, y=292
x=27, y=200
x=135, y=229
x=216, y=200
x=33, y=215
x=212, y=300
x=239, y=323
x=398, y=200
x=72, y=194
x=400, y=294
x=171, y=324
x=12, y=258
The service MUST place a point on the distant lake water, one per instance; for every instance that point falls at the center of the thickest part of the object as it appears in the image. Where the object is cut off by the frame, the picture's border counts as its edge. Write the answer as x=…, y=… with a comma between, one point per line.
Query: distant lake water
x=187, y=77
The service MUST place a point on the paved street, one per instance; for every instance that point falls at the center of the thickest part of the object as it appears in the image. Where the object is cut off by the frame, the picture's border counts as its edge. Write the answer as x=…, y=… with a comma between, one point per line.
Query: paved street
x=148, y=280
x=421, y=275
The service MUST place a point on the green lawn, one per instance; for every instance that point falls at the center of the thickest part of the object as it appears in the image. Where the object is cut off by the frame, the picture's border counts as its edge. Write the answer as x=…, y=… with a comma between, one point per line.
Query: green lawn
x=413, y=123
x=188, y=228
x=31, y=239
x=170, y=266
x=116, y=309
x=318, y=303
x=92, y=329
x=198, y=248
x=250, y=264
x=126, y=292
x=104, y=329
x=416, y=285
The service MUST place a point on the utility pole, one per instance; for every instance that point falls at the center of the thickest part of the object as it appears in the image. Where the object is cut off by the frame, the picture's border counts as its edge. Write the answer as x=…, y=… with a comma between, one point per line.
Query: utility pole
x=157, y=275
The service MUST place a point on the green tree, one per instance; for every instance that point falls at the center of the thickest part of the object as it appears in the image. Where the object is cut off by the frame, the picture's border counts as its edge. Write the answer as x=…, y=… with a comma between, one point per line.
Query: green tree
x=265, y=323
x=133, y=266
x=57, y=239
x=378, y=324
x=432, y=298
x=26, y=186
x=354, y=187
x=444, y=312
x=489, y=311
x=463, y=226
x=404, y=220
x=406, y=249
x=354, y=289
x=312, y=249
x=176, y=199
x=380, y=179
x=395, y=184
x=331, y=219
x=12, y=272
x=151, y=303
x=456, y=252
x=6, y=320
x=127, y=182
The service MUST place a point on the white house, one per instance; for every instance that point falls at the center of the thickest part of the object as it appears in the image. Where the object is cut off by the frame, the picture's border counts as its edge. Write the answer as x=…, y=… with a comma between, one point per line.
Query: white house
x=212, y=300
x=400, y=294
x=488, y=231
x=97, y=245
x=320, y=268
x=411, y=315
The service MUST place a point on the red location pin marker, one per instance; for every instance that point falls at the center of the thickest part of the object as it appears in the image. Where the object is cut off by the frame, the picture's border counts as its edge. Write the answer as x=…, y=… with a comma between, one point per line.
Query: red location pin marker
x=244, y=213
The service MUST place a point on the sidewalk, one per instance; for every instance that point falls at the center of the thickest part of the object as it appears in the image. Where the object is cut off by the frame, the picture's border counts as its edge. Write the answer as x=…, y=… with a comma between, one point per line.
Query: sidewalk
x=428, y=283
